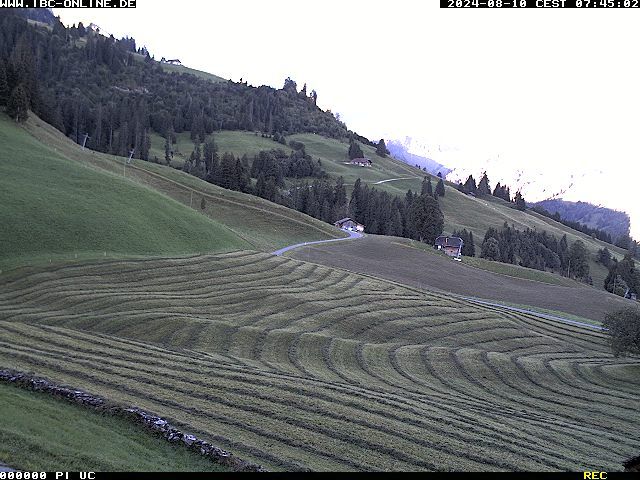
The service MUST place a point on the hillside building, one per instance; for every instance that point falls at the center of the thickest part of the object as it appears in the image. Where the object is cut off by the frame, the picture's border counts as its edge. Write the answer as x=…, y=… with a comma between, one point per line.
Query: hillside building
x=361, y=162
x=348, y=224
x=452, y=246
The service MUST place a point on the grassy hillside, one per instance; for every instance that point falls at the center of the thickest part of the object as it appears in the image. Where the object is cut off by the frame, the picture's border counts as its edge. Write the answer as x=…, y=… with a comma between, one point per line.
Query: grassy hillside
x=295, y=365
x=41, y=433
x=262, y=225
x=410, y=263
x=461, y=211
x=52, y=208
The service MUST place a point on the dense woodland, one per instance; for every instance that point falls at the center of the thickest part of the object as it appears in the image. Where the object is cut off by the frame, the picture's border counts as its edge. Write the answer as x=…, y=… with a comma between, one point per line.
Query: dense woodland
x=538, y=250
x=85, y=83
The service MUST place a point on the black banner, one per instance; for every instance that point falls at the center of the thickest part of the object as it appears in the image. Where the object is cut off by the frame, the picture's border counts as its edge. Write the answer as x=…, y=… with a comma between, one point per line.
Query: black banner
x=515, y=4
x=67, y=3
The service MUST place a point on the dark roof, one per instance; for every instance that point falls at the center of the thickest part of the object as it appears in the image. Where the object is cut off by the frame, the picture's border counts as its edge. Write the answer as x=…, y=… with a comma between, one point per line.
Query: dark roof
x=344, y=220
x=360, y=160
x=445, y=241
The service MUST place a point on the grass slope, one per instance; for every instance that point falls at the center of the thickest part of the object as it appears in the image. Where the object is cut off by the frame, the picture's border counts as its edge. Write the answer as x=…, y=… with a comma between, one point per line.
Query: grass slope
x=410, y=263
x=54, y=208
x=461, y=211
x=41, y=433
x=262, y=225
x=295, y=365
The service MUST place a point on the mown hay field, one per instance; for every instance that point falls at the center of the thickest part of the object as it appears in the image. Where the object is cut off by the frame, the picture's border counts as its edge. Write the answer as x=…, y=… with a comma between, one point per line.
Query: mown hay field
x=296, y=365
x=399, y=260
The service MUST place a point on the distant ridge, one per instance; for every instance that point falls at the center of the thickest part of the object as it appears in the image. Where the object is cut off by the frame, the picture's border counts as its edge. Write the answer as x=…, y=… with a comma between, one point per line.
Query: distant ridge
x=611, y=221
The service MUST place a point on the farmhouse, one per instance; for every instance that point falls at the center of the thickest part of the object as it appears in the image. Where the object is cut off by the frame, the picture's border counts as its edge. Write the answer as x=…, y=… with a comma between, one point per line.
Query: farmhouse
x=348, y=224
x=452, y=246
x=173, y=61
x=361, y=162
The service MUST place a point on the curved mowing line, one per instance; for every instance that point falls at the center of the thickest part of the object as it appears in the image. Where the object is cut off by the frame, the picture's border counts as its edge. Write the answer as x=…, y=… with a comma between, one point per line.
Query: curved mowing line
x=342, y=417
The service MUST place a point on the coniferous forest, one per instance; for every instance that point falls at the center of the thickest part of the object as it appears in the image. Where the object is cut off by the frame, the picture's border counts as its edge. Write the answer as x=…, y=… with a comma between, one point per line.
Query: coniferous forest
x=112, y=94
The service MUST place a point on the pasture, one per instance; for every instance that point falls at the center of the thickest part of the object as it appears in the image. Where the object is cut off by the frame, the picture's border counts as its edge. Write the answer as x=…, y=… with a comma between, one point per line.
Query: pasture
x=400, y=261
x=257, y=223
x=41, y=433
x=296, y=365
x=52, y=208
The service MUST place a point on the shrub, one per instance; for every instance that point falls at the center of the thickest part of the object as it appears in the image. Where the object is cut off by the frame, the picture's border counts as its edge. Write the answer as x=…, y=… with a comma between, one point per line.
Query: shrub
x=624, y=331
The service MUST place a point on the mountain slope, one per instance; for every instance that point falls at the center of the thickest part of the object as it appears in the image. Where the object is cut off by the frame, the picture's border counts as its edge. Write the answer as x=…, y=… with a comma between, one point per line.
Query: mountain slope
x=54, y=208
x=611, y=221
x=261, y=224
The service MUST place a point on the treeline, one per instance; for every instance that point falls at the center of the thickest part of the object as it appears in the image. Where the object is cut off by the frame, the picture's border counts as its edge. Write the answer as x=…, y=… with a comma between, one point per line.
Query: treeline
x=592, y=232
x=483, y=189
x=84, y=83
x=538, y=250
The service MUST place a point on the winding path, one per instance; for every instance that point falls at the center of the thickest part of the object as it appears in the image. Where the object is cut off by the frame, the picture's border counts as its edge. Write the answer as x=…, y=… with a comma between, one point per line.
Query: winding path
x=352, y=236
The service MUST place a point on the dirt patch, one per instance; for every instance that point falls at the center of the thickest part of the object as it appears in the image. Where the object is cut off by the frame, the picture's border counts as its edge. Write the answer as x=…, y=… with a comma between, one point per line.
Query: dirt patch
x=383, y=257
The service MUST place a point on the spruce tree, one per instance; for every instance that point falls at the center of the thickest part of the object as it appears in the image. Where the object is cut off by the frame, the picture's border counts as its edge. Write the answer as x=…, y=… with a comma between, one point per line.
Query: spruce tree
x=167, y=150
x=4, y=86
x=18, y=105
x=354, y=150
x=381, y=148
x=427, y=189
x=440, y=188
x=519, y=201
x=470, y=185
x=426, y=218
x=483, y=186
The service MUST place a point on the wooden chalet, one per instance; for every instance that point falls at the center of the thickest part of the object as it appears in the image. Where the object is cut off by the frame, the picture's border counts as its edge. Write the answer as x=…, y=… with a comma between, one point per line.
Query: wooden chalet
x=452, y=246
x=348, y=224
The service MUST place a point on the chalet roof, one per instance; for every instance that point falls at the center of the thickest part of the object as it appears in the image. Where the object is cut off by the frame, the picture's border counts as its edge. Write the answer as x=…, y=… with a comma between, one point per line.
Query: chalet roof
x=360, y=160
x=445, y=241
x=344, y=220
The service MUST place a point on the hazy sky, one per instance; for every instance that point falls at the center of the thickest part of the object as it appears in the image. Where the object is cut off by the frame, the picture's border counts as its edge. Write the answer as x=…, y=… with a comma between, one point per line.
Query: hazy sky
x=551, y=92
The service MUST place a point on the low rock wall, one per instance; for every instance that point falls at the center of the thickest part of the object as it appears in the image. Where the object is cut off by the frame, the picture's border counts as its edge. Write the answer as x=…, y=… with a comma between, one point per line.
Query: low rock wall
x=150, y=421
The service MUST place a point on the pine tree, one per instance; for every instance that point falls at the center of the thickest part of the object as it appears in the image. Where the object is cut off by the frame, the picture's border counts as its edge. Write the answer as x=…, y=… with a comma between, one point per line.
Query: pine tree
x=354, y=150
x=483, y=186
x=381, y=148
x=426, y=218
x=520, y=202
x=4, y=86
x=440, y=188
x=167, y=150
x=18, y=105
x=578, y=260
x=490, y=249
x=470, y=185
x=427, y=189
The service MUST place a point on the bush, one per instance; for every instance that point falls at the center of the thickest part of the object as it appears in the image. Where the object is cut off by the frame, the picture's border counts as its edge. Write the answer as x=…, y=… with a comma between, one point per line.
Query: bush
x=624, y=331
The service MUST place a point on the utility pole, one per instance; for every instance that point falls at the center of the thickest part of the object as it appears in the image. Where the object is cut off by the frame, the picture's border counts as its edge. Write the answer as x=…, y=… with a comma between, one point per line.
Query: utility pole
x=124, y=165
x=86, y=137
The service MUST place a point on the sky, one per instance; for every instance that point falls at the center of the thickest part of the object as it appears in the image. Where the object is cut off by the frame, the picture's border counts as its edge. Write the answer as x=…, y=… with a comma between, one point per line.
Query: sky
x=547, y=95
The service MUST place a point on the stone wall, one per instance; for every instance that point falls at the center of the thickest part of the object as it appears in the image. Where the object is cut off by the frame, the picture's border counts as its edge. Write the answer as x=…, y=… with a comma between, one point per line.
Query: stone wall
x=150, y=421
